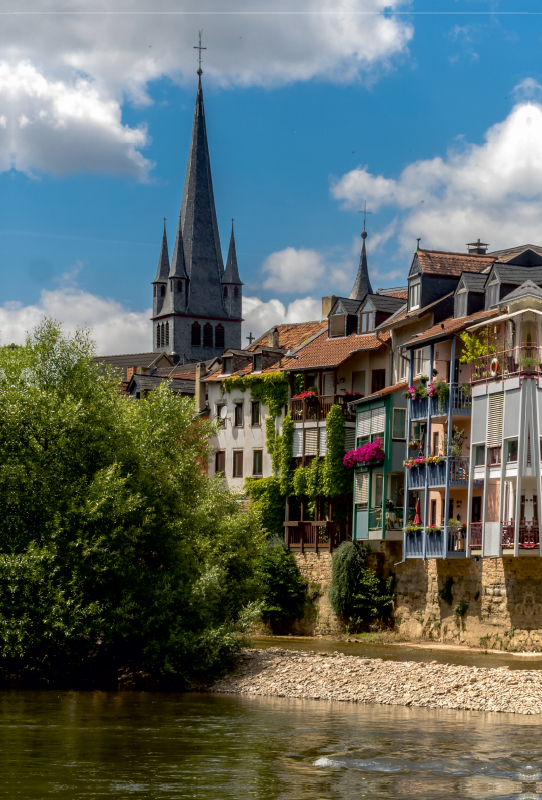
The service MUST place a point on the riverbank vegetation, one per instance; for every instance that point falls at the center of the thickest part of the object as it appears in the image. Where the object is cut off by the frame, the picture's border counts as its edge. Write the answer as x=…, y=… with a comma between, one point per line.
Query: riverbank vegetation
x=118, y=553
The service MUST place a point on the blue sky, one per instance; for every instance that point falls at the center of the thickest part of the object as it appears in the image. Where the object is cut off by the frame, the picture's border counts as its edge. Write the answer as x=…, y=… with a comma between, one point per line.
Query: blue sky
x=433, y=118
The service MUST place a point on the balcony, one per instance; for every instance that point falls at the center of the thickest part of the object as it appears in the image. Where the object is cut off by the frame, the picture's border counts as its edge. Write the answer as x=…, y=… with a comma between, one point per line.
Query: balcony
x=476, y=534
x=436, y=474
x=319, y=535
x=525, y=360
x=461, y=404
x=316, y=409
x=529, y=537
x=414, y=544
x=441, y=542
x=419, y=409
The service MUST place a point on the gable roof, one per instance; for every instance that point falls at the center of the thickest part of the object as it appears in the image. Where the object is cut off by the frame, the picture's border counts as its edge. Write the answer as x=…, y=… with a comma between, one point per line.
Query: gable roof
x=512, y=252
x=325, y=352
x=386, y=303
x=516, y=275
x=473, y=282
x=449, y=264
x=527, y=289
x=291, y=334
x=448, y=326
x=121, y=362
x=382, y=393
x=348, y=305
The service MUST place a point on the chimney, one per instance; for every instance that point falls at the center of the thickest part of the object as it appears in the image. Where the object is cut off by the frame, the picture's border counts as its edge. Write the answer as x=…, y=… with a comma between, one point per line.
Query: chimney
x=327, y=304
x=273, y=338
x=130, y=372
x=477, y=247
x=201, y=371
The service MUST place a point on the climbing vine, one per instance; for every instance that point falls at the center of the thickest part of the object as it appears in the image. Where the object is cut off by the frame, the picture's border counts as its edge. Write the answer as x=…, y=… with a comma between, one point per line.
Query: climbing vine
x=286, y=450
x=336, y=479
x=270, y=388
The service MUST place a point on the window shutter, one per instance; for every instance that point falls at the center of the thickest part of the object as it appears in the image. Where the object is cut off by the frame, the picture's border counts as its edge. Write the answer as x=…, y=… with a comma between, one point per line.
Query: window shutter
x=363, y=425
x=378, y=422
x=323, y=439
x=349, y=439
x=362, y=488
x=494, y=420
x=329, y=383
x=311, y=441
x=297, y=449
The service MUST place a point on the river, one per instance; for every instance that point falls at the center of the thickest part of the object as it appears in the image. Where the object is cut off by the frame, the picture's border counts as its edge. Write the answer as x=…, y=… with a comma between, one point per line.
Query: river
x=146, y=745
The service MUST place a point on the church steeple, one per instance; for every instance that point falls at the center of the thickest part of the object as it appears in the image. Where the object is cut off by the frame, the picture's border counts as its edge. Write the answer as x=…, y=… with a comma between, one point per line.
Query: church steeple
x=203, y=257
x=362, y=284
x=162, y=272
x=231, y=275
x=178, y=267
x=232, y=283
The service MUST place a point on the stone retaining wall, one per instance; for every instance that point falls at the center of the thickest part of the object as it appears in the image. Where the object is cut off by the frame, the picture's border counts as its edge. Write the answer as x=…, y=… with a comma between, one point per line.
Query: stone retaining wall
x=316, y=569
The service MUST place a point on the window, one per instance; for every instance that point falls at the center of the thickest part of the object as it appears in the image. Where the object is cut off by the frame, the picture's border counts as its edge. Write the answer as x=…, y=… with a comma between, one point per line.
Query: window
x=436, y=443
x=180, y=286
x=226, y=369
x=493, y=456
x=257, y=363
x=422, y=361
x=255, y=415
x=414, y=295
x=378, y=380
x=237, y=463
x=366, y=321
x=358, y=381
x=399, y=424
x=257, y=462
x=433, y=515
x=220, y=419
x=479, y=455
x=461, y=303
x=403, y=364
x=155, y=290
x=493, y=293
x=162, y=291
x=220, y=462
x=162, y=336
x=361, y=489
x=167, y=334
x=238, y=417
x=196, y=334
x=158, y=336
x=337, y=323
x=377, y=489
x=511, y=450
x=236, y=291
x=219, y=336
x=225, y=291
x=207, y=335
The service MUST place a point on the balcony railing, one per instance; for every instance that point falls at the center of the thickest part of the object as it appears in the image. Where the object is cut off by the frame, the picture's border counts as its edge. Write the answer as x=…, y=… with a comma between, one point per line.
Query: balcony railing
x=461, y=403
x=414, y=544
x=476, y=534
x=457, y=542
x=317, y=408
x=319, y=535
x=436, y=474
x=528, y=535
x=419, y=408
x=523, y=360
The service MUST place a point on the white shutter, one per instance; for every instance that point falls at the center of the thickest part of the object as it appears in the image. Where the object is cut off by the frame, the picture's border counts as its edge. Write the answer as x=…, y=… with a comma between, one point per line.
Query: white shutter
x=349, y=439
x=494, y=420
x=361, y=492
x=323, y=439
x=329, y=383
x=363, y=424
x=297, y=450
x=311, y=441
x=378, y=422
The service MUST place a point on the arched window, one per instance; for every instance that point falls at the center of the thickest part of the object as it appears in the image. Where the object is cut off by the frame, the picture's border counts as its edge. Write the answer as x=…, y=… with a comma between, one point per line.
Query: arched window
x=162, y=290
x=179, y=286
x=196, y=334
x=225, y=291
x=207, y=335
x=167, y=334
x=162, y=338
x=219, y=337
x=158, y=336
x=155, y=290
x=236, y=291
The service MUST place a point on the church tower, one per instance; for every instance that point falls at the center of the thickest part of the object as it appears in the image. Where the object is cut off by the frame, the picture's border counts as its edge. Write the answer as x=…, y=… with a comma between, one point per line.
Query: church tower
x=197, y=308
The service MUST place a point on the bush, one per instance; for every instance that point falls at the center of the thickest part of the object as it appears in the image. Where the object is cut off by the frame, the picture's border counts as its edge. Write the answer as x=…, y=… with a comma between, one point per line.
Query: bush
x=268, y=500
x=356, y=594
x=116, y=549
x=283, y=588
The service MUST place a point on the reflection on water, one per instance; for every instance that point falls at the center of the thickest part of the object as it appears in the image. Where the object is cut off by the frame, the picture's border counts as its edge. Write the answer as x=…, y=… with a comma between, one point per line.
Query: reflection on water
x=106, y=745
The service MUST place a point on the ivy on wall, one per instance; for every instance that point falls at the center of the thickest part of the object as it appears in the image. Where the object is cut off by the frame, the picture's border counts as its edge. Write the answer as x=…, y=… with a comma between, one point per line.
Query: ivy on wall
x=270, y=388
x=286, y=458
x=336, y=479
x=268, y=499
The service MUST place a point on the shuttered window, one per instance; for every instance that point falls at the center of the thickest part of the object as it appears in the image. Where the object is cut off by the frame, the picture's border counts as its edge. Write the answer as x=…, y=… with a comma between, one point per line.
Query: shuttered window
x=378, y=421
x=362, y=488
x=323, y=441
x=329, y=383
x=494, y=420
x=297, y=449
x=349, y=439
x=311, y=439
x=363, y=424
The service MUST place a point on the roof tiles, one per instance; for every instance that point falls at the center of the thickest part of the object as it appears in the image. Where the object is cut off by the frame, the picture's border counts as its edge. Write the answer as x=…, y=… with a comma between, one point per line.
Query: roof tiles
x=438, y=262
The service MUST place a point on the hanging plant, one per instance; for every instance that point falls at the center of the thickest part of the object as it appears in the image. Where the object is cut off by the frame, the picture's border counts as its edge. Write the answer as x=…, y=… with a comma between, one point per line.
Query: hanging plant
x=414, y=444
x=415, y=392
x=368, y=453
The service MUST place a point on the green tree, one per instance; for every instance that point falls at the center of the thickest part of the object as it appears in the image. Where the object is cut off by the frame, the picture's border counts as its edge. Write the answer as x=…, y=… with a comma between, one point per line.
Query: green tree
x=356, y=593
x=283, y=587
x=116, y=550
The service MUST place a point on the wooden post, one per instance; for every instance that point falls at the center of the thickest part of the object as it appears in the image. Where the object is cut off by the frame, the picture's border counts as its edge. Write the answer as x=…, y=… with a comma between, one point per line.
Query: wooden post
x=302, y=537
x=316, y=536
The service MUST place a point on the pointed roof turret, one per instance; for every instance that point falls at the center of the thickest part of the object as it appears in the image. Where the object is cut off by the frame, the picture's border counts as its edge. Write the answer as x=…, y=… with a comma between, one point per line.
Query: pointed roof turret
x=163, y=262
x=231, y=275
x=203, y=257
x=362, y=284
x=178, y=267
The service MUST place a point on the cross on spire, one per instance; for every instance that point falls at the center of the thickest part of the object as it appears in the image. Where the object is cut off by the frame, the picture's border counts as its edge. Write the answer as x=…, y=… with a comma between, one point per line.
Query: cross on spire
x=250, y=338
x=364, y=212
x=200, y=48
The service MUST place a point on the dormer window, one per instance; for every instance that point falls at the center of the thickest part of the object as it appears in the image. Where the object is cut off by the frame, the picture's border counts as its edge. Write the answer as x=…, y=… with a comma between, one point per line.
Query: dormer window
x=366, y=320
x=493, y=293
x=461, y=303
x=226, y=368
x=414, y=291
x=337, y=322
x=258, y=363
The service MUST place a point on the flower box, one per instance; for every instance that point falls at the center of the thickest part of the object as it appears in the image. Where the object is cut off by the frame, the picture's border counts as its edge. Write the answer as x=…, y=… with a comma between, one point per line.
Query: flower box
x=366, y=455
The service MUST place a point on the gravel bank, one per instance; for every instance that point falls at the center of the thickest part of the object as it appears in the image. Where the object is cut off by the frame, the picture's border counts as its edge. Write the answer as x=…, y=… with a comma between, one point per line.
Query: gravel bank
x=316, y=676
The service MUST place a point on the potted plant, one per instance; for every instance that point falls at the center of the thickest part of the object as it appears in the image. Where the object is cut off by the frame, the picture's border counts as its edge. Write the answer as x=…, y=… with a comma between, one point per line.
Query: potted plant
x=412, y=528
x=414, y=444
x=433, y=529
x=367, y=454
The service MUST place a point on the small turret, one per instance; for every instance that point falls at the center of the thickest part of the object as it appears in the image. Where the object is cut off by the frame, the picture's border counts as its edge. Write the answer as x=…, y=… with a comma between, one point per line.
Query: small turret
x=160, y=282
x=178, y=279
x=231, y=282
x=362, y=285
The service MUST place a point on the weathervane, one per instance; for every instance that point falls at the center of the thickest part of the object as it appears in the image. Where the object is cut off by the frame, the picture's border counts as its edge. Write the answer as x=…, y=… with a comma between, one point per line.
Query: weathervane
x=200, y=48
x=364, y=212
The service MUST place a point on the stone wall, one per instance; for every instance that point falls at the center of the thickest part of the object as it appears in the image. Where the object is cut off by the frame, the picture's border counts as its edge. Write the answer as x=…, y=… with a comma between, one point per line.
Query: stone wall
x=321, y=620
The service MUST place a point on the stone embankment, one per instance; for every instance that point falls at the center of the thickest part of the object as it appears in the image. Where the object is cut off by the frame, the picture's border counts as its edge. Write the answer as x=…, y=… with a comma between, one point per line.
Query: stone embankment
x=314, y=676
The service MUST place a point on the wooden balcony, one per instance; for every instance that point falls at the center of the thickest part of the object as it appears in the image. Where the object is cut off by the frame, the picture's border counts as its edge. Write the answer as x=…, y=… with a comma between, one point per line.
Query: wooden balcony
x=476, y=534
x=528, y=533
x=317, y=408
x=319, y=535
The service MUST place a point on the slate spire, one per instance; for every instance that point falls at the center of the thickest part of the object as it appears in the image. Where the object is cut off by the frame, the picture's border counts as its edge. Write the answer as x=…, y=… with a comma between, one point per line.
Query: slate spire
x=362, y=284
x=178, y=267
x=231, y=275
x=202, y=253
x=163, y=262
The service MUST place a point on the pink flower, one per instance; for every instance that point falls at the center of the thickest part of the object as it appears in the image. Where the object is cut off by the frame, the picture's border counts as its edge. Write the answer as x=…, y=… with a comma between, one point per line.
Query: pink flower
x=371, y=451
x=304, y=395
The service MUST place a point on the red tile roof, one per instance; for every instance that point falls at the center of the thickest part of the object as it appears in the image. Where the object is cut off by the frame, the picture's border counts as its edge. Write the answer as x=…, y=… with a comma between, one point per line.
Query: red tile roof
x=400, y=295
x=383, y=392
x=452, y=325
x=438, y=262
x=291, y=334
x=326, y=352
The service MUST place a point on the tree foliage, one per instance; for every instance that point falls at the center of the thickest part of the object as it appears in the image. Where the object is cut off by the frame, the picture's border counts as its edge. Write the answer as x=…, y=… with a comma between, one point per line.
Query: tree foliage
x=116, y=550
x=356, y=593
x=284, y=589
x=268, y=500
x=286, y=459
x=336, y=478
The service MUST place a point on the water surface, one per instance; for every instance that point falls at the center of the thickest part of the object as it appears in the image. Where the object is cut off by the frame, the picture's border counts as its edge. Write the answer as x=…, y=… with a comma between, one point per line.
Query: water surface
x=146, y=745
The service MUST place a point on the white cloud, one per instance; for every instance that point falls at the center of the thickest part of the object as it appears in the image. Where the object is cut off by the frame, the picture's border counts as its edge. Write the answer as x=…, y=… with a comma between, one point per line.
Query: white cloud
x=67, y=73
x=114, y=328
x=292, y=270
x=490, y=191
x=260, y=316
